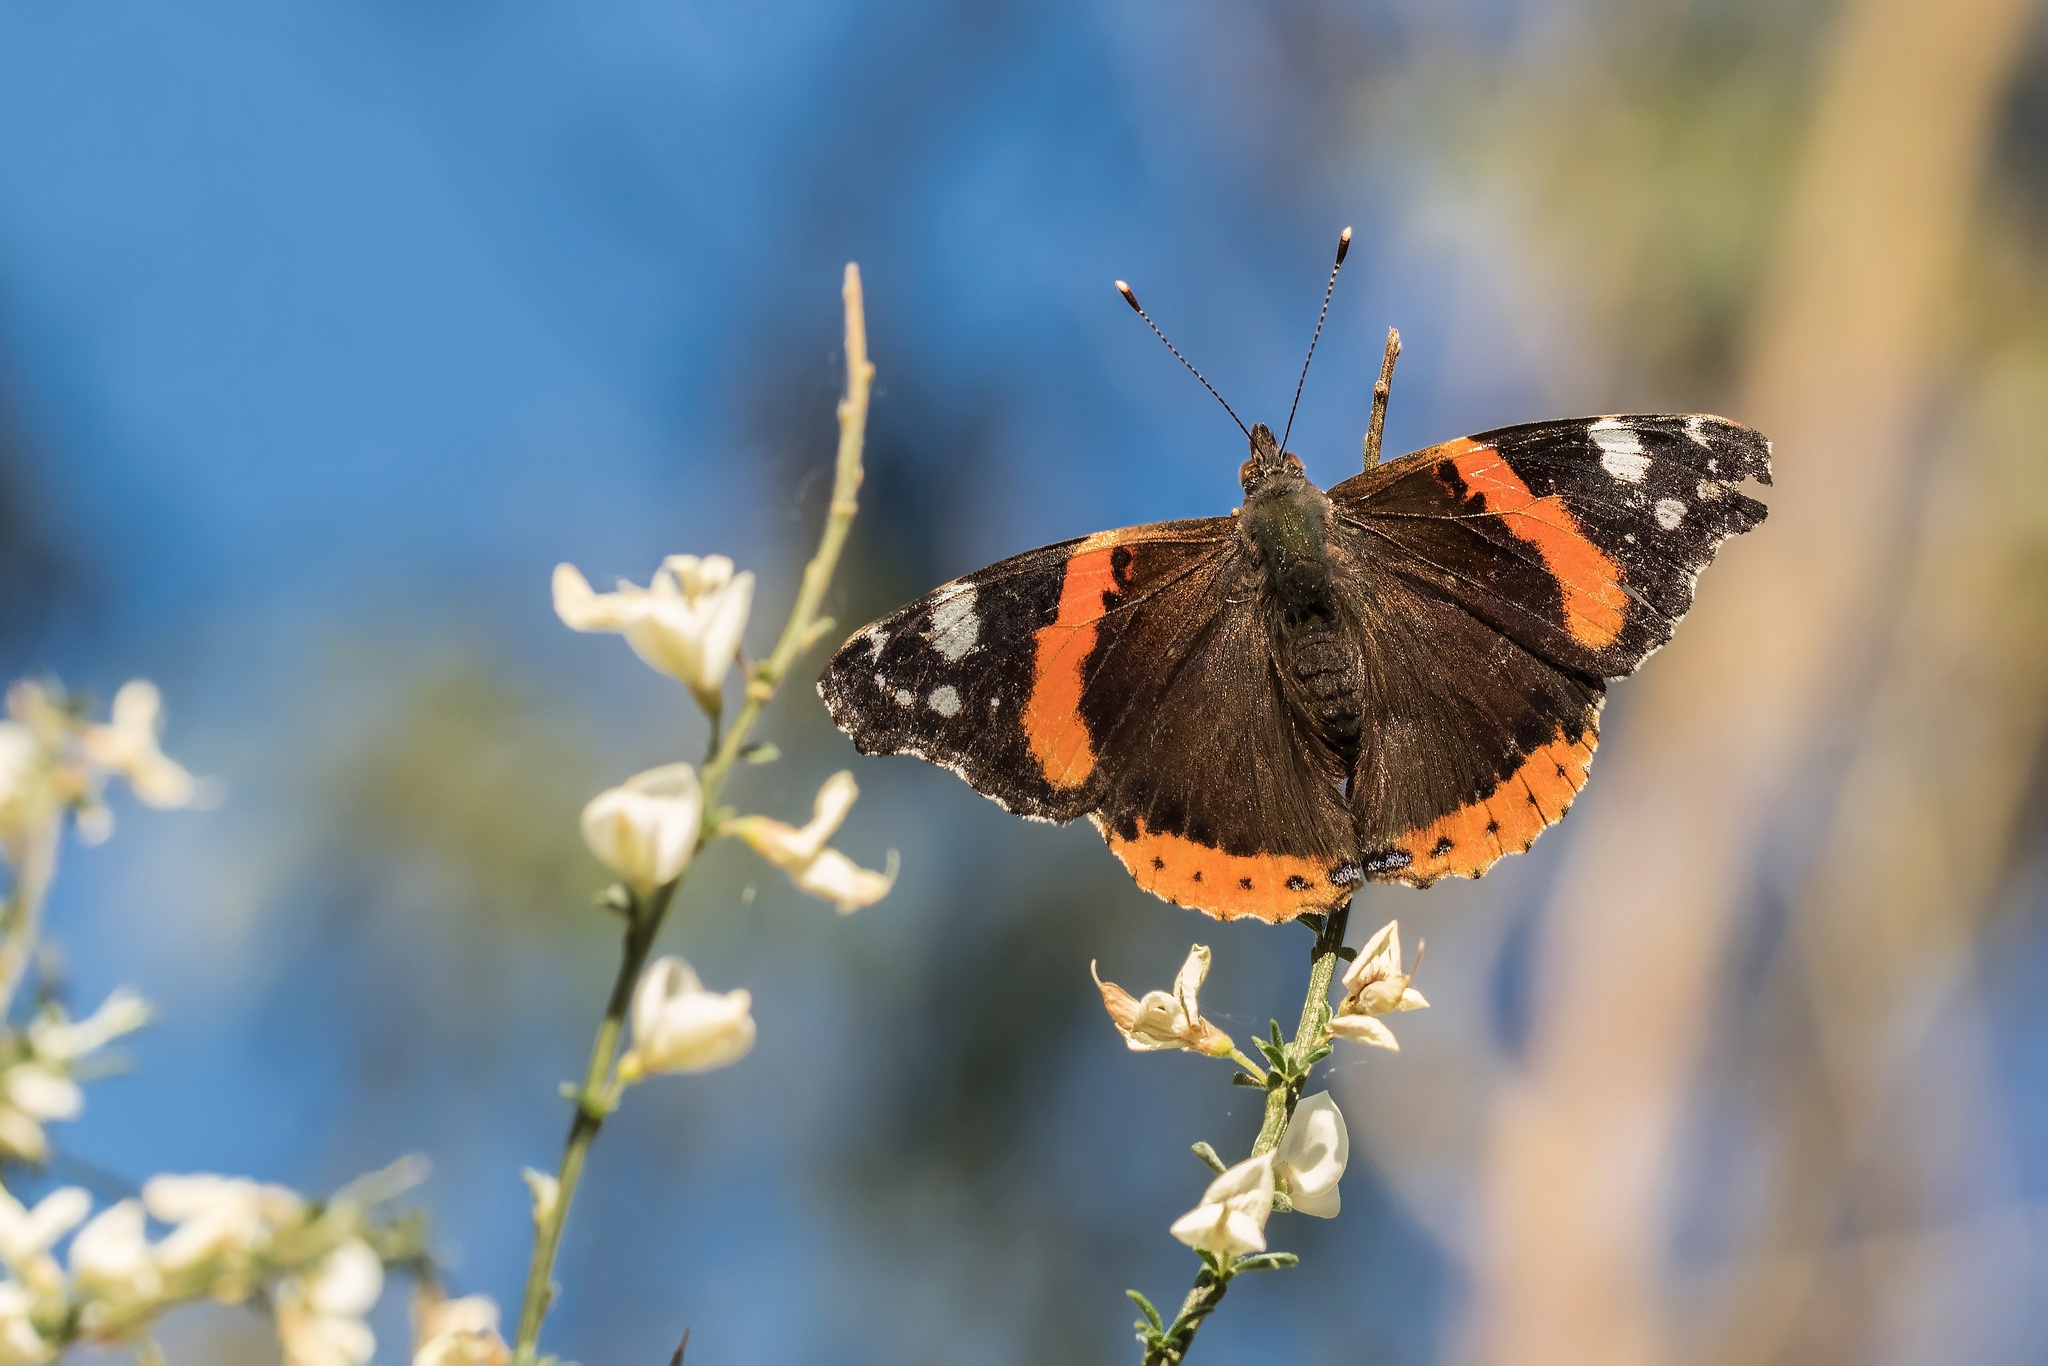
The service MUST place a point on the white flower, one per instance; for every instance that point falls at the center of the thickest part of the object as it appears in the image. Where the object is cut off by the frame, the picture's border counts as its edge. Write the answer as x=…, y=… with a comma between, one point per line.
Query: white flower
x=1231, y=1220
x=320, y=1317
x=27, y=1235
x=32, y=1093
x=127, y=745
x=801, y=851
x=216, y=1217
x=1167, y=1020
x=53, y=1038
x=678, y=1026
x=111, y=1257
x=20, y=1343
x=687, y=623
x=645, y=829
x=1376, y=984
x=460, y=1332
x=1312, y=1155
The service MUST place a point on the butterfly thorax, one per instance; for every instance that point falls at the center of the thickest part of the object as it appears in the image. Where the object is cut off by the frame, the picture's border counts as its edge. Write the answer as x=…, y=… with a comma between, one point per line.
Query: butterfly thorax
x=1285, y=526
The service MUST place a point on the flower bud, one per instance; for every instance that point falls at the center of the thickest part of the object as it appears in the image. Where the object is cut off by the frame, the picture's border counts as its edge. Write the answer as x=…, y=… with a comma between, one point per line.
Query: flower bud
x=646, y=829
x=678, y=1026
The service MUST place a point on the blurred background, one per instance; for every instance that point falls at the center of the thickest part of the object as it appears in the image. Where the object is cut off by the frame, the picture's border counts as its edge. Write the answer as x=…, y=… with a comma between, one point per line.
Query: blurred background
x=325, y=332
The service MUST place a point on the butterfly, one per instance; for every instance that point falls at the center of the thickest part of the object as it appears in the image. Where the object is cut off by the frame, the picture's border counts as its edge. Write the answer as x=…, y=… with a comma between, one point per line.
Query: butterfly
x=1397, y=679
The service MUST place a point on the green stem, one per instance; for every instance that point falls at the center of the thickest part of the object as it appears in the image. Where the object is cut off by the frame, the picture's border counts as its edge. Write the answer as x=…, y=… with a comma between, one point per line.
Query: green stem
x=598, y=1095
x=1210, y=1286
x=803, y=628
x=24, y=910
x=594, y=1101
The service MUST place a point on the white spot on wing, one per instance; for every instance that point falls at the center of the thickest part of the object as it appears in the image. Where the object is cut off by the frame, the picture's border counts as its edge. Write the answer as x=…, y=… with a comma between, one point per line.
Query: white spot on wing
x=1621, y=453
x=955, y=627
x=904, y=697
x=876, y=639
x=945, y=700
x=1696, y=428
x=1670, y=512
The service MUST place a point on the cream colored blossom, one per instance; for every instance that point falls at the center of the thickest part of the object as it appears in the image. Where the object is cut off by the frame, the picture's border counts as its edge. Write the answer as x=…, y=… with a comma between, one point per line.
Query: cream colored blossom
x=687, y=623
x=1167, y=1019
x=678, y=1026
x=646, y=829
x=111, y=1258
x=1375, y=984
x=1312, y=1156
x=801, y=851
x=55, y=1038
x=217, y=1217
x=1231, y=1220
x=27, y=1235
x=460, y=1332
x=20, y=1343
x=32, y=1094
x=127, y=745
x=320, y=1316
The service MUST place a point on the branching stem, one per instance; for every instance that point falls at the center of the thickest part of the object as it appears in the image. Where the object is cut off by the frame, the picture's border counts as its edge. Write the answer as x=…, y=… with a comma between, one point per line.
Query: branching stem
x=598, y=1095
x=1283, y=1094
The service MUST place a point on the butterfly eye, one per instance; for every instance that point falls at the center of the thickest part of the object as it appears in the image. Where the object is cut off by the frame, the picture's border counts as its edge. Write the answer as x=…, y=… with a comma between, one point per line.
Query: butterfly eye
x=1248, y=472
x=1294, y=461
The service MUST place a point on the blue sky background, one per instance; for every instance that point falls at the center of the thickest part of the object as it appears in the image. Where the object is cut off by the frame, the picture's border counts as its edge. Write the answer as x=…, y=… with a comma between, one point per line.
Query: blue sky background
x=325, y=332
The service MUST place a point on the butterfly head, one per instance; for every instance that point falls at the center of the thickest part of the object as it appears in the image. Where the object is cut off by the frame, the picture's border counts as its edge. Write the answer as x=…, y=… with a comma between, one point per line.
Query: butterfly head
x=1268, y=461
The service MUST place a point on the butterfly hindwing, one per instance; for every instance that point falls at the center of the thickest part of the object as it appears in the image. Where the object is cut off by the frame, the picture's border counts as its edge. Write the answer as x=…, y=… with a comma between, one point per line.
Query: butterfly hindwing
x=1474, y=746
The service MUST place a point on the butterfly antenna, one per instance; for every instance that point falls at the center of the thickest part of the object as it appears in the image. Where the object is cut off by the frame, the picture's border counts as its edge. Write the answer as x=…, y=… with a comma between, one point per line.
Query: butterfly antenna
x=1343, y=246
x=1132, y=300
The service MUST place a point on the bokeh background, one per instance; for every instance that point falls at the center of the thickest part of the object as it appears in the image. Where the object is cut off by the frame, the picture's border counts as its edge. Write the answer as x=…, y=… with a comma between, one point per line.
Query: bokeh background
x=326, y=331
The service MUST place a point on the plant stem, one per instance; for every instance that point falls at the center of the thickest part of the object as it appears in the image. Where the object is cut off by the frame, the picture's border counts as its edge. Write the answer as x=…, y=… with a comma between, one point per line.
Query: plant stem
x=803, y=627
x=24, y=911
x=598, y=1095
x=1210, y=1286
x=594, y=1101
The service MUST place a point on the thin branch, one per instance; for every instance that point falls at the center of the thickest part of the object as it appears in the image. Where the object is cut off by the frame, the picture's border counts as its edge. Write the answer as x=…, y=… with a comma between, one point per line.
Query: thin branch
x=598, y=1095
x=1171, y=1347
x=1380, y=391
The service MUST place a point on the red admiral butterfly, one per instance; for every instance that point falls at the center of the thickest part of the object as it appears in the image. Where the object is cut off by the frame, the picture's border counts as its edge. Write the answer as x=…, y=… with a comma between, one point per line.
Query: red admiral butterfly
x=1398, y=679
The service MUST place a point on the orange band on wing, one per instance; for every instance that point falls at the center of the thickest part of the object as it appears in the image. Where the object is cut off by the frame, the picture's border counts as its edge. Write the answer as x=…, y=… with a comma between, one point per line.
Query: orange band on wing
x=1468, y=841
x=1052, y=715
x=1591, y=581
x=1274, y=887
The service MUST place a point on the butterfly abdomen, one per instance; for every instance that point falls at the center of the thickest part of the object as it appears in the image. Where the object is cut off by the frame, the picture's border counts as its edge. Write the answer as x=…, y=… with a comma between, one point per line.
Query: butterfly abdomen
x=1329, y=673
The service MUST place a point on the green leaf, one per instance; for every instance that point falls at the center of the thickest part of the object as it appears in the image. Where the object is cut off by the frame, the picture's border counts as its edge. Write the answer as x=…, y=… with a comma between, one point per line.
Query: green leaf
x=1267, y=1261
x=1321, y=1051
x=760, y=752
x=1278, y=1040
x=1276, y=1054
x=1209, y=1157
x=1247, y=1079
x=1349, y=955
x=1152, y=1319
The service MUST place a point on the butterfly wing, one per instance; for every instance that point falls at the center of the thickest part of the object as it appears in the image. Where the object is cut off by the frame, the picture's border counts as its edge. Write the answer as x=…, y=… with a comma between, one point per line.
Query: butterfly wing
x=1128, y=677
x=1580, y=539
x=1500, y=580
